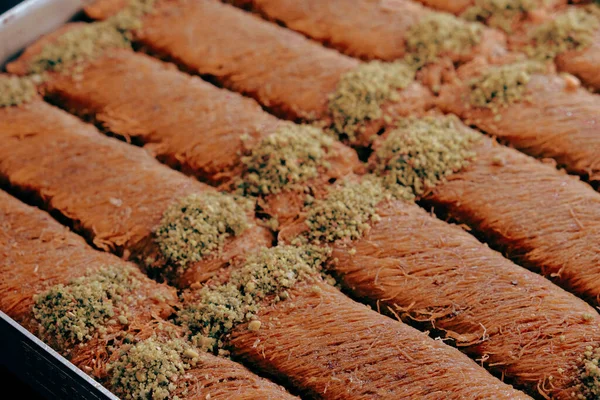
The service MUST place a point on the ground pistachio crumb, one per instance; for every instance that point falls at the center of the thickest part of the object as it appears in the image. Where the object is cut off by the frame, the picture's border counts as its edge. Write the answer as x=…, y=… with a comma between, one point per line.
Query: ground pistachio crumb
x=571, y=30
x=503, y=85
x=439, y=33
x=16, y=90
x=151, y=368
x=500, y=13
x=346, y=212
x=72, y=312
x=590, y=374
x=198, y=225
x=254, y=326
x=361, y=93
x=283, y=160
x=421, y=152
x=268, y=271
x=88, y=41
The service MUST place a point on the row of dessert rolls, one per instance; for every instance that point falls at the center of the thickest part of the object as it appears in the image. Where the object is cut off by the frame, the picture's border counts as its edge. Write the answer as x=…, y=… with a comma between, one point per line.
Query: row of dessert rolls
x=269, y=307
x=107, y=317
x=126, y=94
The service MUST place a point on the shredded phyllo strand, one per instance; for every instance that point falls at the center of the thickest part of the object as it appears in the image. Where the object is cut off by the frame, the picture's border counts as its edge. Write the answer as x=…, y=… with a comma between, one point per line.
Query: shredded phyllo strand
x=151, y=369
x=284, y=160
x=346, y=213
x=571, y=30
x=437, y=34
x=198, y=225
x=501, y=14
x=15, y=90
x=73, y=312
x=501, y=86
x=88, y=41
x=420, y=153
x=267, y=272
x=361, y=92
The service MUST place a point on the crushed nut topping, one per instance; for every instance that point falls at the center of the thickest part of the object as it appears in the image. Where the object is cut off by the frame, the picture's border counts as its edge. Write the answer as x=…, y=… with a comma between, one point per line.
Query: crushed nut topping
x=88, y=41
x=590, y=374
x=346, y=213
x=571, y=30
x=73, y=312
x=501, y=14
x=199, y=225
x=151, y=368
x=501, y=86
x=439, y=33
x=15, y=90
x=284, y=160
x=267, y=272
x=361, y=93
x=420, y=153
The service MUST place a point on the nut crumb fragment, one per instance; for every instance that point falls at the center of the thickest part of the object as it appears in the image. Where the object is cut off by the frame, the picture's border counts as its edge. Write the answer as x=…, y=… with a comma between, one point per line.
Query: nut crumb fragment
x=571, y=82
x=254, y=326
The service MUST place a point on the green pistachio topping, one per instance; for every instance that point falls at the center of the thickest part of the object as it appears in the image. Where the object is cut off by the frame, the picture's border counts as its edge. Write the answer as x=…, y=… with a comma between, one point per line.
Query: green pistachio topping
x=420, y=153
x=89, y=41
x=267, y=272
x=73, y=312
x=590, y=374
x=285, y=159
x=571, y=30
x=437, y=34
x=347, y=212
x=15, y=90
x=198, y=225
x=501, y=86
x=151, y=368
x=501, y=14
x=78, y=44
x=362, y=92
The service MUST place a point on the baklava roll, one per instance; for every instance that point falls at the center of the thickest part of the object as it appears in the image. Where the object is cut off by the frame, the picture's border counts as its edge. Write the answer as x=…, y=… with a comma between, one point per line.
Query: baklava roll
x=541, y=217
x=545, y=115
x=384, y=30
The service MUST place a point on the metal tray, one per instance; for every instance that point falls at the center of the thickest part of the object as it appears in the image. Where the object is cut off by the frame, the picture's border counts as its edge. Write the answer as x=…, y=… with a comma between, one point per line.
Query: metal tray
x=46, y=371
x=21, y=353
x=31, y=19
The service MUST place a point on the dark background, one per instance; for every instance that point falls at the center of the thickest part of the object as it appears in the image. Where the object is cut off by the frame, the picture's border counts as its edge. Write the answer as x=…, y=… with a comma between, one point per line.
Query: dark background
x=6, y=4
x=7, y=379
